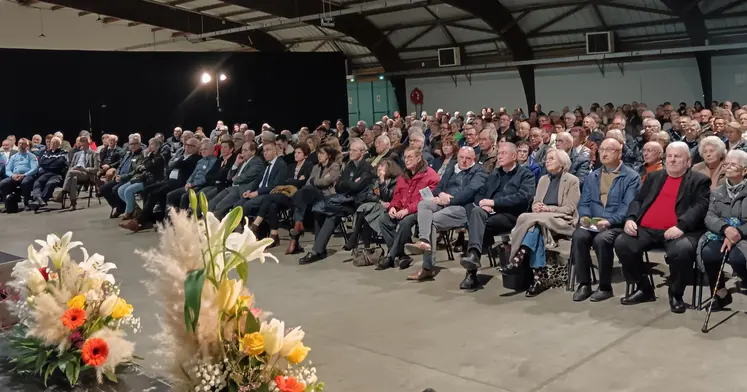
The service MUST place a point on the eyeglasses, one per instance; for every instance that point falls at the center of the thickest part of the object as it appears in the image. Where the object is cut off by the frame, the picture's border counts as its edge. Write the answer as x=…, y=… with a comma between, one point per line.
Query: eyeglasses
x=732, y=164
x=192, y=145
x=603, y=150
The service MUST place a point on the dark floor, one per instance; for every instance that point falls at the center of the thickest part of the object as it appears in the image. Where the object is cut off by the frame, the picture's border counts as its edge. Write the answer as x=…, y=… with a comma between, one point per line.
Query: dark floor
x=373, y=331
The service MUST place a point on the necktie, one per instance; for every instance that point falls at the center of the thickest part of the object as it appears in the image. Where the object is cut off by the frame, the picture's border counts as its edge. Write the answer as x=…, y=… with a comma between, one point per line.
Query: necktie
x=265, y=177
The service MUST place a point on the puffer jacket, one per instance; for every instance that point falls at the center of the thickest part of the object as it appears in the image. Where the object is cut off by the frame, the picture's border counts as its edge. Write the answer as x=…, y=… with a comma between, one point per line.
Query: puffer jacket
x=407, y=191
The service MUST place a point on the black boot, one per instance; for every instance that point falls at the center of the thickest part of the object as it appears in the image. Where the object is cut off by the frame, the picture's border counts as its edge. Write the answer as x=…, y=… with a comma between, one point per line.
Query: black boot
x=539, y=283
x=471, y=261
x=470, y=281
x=720, y=303
x=385, y=263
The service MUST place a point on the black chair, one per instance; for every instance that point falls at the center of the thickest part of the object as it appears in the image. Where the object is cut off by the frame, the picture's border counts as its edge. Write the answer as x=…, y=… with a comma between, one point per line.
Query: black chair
x=92, y=191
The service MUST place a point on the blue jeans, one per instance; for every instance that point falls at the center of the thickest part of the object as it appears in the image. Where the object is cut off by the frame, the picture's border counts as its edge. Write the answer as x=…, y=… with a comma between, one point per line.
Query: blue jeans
x=534, y=240
x=127, y=193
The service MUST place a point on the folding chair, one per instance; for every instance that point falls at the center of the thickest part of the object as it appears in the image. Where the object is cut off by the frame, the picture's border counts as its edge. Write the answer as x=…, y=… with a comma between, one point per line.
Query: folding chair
x=571, y=282
x=631, y=287
x=446, y=237
x=505, y=240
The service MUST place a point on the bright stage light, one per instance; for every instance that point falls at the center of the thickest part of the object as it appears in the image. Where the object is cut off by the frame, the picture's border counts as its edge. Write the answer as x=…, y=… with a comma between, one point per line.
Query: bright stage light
x=206, y=78
x=223, y=77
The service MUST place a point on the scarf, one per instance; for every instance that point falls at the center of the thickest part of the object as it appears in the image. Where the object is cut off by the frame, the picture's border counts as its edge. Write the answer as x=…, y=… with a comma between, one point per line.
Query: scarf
x=733, y=190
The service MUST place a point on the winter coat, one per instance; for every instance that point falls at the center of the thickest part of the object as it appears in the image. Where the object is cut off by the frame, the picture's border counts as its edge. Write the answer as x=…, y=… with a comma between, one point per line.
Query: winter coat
x=407, y=191
x=720, y=207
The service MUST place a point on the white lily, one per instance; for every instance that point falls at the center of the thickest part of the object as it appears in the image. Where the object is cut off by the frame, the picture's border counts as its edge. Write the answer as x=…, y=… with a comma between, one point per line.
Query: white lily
x=22, y=269
x=107, y=307
x=58, y=248
x=248, y=247
x=272, y=332
x=36, y=282
x=96, y=268
x=291, y=340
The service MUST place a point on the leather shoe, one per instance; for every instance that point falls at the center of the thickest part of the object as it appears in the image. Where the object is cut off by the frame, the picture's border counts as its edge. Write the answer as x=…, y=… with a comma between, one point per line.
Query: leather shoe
x=470, y=261
x=385, y=263
x=601, y=295
x=720, y=303
x=582, y=293
x=294, y=247
x=312, y=257
x=676, y=305
x=470, y=281
x=638, y=297
x=422, y=275
x=403, y=262
x=535, y=289
x=275, y=241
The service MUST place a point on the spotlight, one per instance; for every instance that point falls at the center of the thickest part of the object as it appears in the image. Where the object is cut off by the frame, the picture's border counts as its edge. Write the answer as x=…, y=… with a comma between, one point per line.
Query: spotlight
x=352, y=80
x=223, y=77
x=206, y=77
x=381, y=77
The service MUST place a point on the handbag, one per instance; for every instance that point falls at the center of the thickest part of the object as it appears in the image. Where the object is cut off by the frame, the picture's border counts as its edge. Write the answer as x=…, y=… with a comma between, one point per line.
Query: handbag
x=367, y=257
x=287, y=190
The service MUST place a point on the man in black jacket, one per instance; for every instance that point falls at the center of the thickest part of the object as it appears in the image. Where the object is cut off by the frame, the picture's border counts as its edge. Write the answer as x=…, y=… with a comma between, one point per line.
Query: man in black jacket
x=668, y=212
x=456, y=189
x=110, y=157
x=124, y=172
x=178, y=173
x=52, y=167
x=247, y=170
x=507, y=194
x=355, y=178
x=273, y=175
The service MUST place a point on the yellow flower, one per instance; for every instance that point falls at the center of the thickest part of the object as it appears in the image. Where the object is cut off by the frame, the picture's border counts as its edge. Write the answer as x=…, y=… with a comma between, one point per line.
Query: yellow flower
x=77, y=302
x=253, y=344
x=244, y=301
x=298, y=354
x=228, y=293
x=122, y=309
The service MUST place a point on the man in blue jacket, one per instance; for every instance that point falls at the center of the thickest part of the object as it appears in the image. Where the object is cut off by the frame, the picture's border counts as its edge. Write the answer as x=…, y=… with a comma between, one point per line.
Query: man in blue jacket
x=52, y=166
x=179, y=198
x=605, y=197
x=507, y=194
x=456, y=189
x=20, y=170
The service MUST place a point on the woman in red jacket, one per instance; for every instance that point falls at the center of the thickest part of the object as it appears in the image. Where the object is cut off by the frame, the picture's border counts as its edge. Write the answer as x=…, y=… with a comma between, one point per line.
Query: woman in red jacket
x=396, y=225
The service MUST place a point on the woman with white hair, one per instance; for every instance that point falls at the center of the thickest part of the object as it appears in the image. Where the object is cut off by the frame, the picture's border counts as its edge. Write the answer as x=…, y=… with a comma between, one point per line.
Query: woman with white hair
x=734, y=139
x=725, y=221
x=713, y=152
x=553, y=214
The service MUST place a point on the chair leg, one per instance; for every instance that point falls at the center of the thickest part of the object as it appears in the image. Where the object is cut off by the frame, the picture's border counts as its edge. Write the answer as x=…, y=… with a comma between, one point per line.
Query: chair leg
x=446, y=237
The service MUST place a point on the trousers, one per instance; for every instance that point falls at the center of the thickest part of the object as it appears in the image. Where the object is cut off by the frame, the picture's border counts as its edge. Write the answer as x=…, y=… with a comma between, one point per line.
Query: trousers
x=603, y=244
x=433, y=218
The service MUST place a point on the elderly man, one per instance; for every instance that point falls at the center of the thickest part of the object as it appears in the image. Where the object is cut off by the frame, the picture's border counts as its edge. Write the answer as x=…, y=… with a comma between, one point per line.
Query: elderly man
x=52, y=166
x=123, y=174
x=274, y=173
x=84, y=165
x=446, y=210
x=488, y=156
x=246, y=170
x=20, y=171
x=592, y=129
x=175, y=141
x=470, y=136
x=504, y=128
x=580, y=166
x=417, y=140
x=605, y=198
x=653, y=153
x=384, y=151
x=220, y=129
x=267, y=138
x=356, y=177
x=538, y=149
x=630, y=147
x=179, y=197
x=506, y=195
x=37, y=146
x=110, y=157
x=668, y=212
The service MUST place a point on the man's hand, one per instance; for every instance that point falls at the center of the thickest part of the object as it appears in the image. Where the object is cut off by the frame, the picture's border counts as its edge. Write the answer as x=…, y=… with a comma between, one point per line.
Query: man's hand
x=187, y=186
x=585, y=221
x=117, y=178
x=402, y=213
x=631, y=228
x=487, y=203
x=385, y=204
x=726, y=246
x=673, y=233
x=246, y=194
x=603, y=224
x=733, y=234
x=254, y=194
x=487, y=209
x=105, y=167
x=392, y=213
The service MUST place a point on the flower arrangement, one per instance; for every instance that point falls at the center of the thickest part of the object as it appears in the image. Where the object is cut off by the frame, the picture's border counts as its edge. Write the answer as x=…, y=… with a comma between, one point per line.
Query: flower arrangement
x=71, y=316
x=213, y=336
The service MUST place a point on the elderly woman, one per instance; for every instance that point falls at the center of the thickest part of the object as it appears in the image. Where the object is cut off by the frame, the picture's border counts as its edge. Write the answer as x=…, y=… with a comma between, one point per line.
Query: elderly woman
x=713, y=152
x=449, y=151
x=734, y=140
x=321, y=183
x=553, y=214
x=374, y=202
x=726, y=222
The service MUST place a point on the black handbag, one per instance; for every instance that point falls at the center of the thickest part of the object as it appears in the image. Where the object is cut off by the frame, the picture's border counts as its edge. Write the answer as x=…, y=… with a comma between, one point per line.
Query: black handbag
x=518, y=278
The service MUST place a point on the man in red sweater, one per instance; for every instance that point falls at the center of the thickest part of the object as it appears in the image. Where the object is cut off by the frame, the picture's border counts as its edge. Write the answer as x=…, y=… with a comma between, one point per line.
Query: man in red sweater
x=668, y=213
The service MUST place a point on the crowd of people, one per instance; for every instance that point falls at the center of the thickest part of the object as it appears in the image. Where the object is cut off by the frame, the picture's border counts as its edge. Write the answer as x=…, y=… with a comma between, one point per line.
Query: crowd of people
x=615, y=181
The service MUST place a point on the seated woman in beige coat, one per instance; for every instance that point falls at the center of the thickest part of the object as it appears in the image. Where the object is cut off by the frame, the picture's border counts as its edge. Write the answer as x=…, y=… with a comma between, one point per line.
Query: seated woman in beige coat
x=553, y=214
x=713, y=152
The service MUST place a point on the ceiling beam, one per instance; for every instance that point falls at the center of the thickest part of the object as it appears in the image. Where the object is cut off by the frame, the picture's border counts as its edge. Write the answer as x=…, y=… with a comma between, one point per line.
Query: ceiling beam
x=171, y=18
x=416, y=37
x=441, y=25
x=470, y=28
x=500, y=19
x=726, y=7
x=600, y=17
x=556, y=19
x=426, y=23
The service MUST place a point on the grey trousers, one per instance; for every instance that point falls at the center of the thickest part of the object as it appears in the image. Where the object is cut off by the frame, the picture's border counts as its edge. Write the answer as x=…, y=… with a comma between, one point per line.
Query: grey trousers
x=71, y=182
x=432, y=218
x=224, y=201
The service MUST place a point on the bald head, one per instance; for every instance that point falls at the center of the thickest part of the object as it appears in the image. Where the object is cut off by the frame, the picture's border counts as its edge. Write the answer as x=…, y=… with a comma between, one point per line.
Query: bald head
x=652, y=153
x=610, y=153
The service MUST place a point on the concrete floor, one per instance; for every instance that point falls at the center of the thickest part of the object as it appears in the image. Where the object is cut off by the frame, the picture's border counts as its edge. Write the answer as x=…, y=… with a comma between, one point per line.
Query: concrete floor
x=373, y=331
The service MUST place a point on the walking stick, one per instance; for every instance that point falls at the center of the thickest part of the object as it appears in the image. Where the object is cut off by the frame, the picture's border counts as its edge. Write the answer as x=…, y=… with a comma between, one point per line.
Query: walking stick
x=715, y=289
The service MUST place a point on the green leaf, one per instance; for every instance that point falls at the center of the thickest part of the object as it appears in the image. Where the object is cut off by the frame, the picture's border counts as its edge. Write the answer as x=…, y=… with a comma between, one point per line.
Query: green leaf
x=41, y=359
x=70, y=373
x=232, y=387
x=243, y=270
x=110, y=376
x=77, y=370
x=234, y=220
x=50, y=370
x=203, y=203
x=252, y=324
x=193, y=285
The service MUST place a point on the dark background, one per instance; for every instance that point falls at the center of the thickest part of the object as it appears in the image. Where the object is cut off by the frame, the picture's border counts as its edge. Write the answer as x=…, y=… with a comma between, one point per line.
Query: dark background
x=147, y=92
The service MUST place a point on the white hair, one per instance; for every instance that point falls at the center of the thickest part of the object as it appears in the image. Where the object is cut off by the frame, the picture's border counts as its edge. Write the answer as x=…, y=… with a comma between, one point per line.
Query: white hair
x=492, y=134
x=418, y=124
x=268, y=135
x=359, y=142
x=134, y=139
x=417, y=134
x=384, y=139
x=58, y=134
x=740, y=155
x=565, y=136
x=616, y=134
x=563, y=158
x=414, y=129
x=715, y=142
x=679, y=146
x=654, y=122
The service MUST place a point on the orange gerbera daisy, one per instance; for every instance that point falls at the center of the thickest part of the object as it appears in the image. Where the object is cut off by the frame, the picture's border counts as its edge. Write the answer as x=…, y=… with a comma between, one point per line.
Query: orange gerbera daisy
x=94, y=352
x=73, y=318
x=289, y=384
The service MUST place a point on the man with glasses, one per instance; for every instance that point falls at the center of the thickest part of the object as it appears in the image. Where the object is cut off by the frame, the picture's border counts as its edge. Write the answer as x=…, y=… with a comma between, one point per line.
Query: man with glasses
x=605, y=198
x=719, y=127
x=356, y=177
x=456, y=189
x=178, y=172
x=506, y=195
x=197, y=180
x=504, y=128
x=85, y=163
x=470, y=138
x=653, y=154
